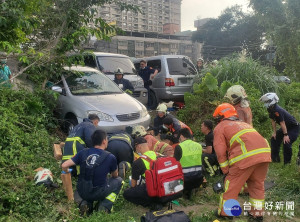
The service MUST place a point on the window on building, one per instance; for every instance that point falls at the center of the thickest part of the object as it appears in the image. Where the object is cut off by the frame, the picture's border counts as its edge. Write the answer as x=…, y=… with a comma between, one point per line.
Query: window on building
x=139, y=53
x=123, y=43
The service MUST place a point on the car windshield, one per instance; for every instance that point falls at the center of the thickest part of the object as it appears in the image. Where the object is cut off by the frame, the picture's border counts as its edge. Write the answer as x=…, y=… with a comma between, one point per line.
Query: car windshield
x=91, y=83
x=181, y=66
x=109, y=64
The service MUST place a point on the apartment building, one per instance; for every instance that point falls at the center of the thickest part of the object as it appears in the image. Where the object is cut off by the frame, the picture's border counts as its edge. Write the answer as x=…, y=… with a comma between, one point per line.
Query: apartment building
x=152, y=18
x=140, y=45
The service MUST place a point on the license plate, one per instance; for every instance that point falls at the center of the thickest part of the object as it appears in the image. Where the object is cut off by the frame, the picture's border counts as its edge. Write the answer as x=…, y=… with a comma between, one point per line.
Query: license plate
x=183, y=81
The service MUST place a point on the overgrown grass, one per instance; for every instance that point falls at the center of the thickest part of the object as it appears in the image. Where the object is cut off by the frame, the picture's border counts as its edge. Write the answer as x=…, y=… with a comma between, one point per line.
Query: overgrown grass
x=27, y=132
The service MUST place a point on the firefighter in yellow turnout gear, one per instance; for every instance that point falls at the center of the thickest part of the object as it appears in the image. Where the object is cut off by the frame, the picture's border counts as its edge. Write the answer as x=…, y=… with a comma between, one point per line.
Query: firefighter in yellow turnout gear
x=80, y=138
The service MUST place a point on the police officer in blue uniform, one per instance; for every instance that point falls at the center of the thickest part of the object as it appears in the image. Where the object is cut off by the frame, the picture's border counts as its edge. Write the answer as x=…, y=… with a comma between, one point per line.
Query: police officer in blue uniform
x=124, y=84
x=147, y=74
x=289, y=128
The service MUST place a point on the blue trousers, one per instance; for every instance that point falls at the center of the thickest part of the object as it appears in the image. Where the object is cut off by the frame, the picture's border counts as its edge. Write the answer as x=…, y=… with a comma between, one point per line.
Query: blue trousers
x=105, y=195
x=293, y=133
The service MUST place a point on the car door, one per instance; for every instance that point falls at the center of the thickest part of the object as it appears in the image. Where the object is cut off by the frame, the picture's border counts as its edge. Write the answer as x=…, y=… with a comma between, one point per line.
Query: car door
x=183, y=72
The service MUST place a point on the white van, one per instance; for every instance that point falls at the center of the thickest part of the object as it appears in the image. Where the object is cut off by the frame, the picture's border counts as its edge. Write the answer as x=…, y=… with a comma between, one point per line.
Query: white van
x=175, y=77
x=108, y=63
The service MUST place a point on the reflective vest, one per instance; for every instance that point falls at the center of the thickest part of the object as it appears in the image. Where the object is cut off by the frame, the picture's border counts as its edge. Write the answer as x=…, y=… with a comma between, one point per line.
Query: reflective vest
x=121, y=136
x=71, y=150
x=152, y=155
x=191, y=156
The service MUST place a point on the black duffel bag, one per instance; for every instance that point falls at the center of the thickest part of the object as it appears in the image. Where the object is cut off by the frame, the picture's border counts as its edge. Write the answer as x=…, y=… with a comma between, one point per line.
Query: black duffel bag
x=165, y=216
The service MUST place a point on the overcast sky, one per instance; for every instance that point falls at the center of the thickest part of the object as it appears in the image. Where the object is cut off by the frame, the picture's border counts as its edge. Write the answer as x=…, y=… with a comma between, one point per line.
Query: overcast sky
x=192, y=9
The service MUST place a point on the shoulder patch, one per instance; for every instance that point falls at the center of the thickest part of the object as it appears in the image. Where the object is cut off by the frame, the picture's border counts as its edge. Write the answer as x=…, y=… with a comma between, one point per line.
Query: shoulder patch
x=276, y=113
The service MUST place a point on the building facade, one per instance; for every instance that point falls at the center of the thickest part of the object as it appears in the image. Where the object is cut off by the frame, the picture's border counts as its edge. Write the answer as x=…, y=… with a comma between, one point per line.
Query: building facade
x=140, y=45
x=152, y=18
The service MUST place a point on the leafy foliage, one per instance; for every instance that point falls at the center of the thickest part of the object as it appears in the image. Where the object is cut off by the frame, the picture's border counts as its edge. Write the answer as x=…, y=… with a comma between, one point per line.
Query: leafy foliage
x=25, y=146
x=231, y=32
x=238, y=68
x=43, y=32
x=281, y=21
x=209, y=91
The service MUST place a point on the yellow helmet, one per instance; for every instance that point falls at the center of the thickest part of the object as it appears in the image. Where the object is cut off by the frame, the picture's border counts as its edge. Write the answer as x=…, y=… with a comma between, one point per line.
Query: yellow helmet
x=162, y=108
x=235, y=94
x=138, y=131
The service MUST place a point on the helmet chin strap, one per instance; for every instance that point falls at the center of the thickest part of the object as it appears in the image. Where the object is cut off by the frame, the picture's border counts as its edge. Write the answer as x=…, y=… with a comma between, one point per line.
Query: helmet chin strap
x=218, y=119
x=232, y=118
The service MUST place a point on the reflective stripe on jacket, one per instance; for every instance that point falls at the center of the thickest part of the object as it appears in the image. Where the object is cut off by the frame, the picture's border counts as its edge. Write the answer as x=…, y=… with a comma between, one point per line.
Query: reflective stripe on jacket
x=191, y=159
x=158, y=146
x=236, y=142
x=70, y=149
x=121, y=136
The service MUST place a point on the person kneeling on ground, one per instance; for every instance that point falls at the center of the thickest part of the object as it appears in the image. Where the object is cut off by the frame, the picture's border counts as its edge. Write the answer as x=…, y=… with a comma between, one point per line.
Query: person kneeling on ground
x=137, y=193
x=189, y=153
x=120, y=145
x=95, y=164
x=162, y=113
x=173, y=125
x=79, y=138
x=209, y=158
x=153, y=144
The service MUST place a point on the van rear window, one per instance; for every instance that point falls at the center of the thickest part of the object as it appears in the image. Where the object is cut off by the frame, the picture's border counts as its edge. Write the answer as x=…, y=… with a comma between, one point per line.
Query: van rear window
x=181, y=66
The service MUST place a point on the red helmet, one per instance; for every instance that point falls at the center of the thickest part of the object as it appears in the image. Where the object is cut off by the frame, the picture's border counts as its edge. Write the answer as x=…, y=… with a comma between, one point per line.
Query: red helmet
x=225, y=110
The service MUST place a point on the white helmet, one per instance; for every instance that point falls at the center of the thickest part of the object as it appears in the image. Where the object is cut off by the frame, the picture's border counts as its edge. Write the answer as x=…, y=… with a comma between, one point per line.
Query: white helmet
x=119, y=71
x=235, y=94
x=138, y=131
x=269, y=99
x=43, y=176
x=162, y=108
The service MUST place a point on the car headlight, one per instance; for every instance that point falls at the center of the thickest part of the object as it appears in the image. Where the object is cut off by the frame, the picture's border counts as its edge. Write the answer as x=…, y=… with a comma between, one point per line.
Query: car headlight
x=140, y=83
x=144, y=111
x=102, y=116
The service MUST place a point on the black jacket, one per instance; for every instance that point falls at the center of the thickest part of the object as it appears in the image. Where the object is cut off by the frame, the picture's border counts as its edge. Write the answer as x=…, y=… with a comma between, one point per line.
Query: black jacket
x=126, y=84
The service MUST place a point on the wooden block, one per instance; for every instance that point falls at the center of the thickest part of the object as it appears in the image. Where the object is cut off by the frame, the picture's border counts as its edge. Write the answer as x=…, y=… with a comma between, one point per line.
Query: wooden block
x=67, y=185
x=57, y=151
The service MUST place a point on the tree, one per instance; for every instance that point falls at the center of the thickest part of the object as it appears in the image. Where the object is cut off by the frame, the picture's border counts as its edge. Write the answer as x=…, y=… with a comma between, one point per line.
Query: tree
x=281, y=21
x=231, y=32
x=41, y=32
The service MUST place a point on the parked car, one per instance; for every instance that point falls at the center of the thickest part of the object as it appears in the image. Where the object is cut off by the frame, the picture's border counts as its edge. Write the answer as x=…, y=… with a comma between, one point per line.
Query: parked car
x=175, y=77
x=87, y=90
x=283, y=79
x=108, y=63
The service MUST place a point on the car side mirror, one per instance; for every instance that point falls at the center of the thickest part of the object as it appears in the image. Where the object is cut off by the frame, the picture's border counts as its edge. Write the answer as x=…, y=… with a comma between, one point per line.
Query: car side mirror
x=57, y=89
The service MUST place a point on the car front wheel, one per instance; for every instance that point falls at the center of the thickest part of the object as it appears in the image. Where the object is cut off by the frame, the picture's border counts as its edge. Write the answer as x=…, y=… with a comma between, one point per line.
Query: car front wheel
x=70, y=123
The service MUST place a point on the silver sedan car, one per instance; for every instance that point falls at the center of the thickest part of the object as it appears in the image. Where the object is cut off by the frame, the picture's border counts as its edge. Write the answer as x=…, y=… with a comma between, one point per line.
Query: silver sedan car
x=85, y=90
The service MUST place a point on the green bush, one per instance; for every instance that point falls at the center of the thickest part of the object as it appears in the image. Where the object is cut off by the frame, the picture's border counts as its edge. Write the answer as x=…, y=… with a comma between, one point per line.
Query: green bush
x=245, y=70
x=200, y=104
x=209, y=91
x=26, y=145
